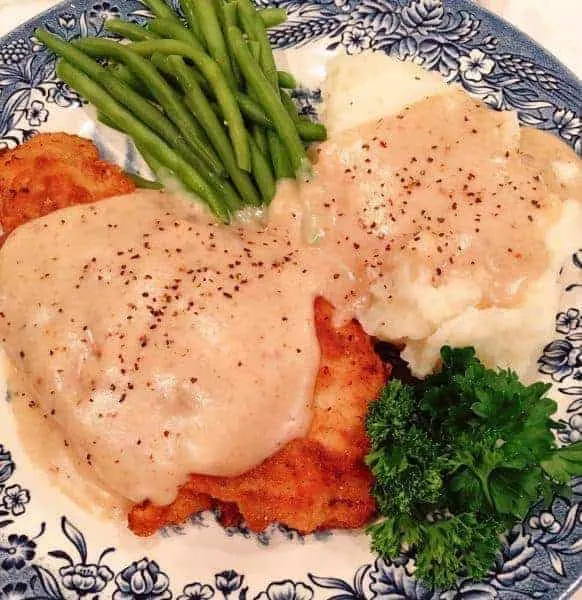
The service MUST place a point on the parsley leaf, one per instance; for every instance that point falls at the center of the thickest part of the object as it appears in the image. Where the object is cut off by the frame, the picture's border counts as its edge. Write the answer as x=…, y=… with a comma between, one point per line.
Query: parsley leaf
x=459, y=459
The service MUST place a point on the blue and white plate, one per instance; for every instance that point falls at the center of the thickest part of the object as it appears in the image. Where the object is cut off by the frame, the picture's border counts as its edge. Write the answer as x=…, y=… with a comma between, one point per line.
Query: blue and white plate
x=52, y=548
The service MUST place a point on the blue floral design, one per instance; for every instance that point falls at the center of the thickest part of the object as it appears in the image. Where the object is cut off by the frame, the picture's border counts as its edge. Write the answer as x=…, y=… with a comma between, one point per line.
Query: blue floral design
x=104, y=11
x=511, y=565
x=228, y=582
x=82, y=577
x=574, y=431
x=15, y=499
x=475, y=65
x=36, y=113
x=62, y=95
x=19, y=549
x=142, y=580
x=569, y=321
x=14, y=591
x=67, y=21
x=395, y=580
x=356, y=39
x=197, y=591
x=6, y=465
x=286, y=590
x=560, y=359
x=85, y=579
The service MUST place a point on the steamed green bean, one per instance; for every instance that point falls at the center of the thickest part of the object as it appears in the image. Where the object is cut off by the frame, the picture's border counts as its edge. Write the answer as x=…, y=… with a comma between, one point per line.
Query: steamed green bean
x=272, y=17
x=206, y=14
x=268, y=98
x=167, y=28
x=286, y=80
x=260, y=136
x=255, y=29
x=209, y=92
x=131, y=31
x=143, y=183
x=144, y=136
x=124, y=74
x=279, y=157
x=168, y=99
x=161, y=9
x=262, y=172
x=201, y=107
x=217, y=81
x=123, y=93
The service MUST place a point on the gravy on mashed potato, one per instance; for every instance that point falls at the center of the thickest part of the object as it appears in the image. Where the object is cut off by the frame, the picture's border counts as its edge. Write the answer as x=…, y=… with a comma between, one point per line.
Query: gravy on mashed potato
x=161, y=343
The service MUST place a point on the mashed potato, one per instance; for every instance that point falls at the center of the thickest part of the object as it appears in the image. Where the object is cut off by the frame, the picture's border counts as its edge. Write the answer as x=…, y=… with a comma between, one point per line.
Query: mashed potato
x=425, y=317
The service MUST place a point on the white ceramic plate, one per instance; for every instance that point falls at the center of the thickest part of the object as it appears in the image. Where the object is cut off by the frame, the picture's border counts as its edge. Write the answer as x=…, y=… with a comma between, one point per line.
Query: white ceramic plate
x=53, y=549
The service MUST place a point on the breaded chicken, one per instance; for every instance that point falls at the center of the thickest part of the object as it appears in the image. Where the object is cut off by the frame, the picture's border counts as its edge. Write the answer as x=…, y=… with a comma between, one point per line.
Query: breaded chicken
x=312, y=483
x=316, y=482
x=52, y=171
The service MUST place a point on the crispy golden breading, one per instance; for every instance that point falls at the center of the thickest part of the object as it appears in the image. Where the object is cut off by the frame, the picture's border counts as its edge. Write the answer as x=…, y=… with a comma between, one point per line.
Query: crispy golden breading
x=316, y=482
x=52, y=171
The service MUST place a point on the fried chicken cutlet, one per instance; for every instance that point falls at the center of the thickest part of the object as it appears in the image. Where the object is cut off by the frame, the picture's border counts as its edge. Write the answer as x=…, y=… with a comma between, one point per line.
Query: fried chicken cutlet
x=52, y=171
x=315, y=482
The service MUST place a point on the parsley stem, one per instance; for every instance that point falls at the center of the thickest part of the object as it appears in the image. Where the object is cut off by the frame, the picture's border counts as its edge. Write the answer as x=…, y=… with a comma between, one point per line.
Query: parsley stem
x=483, y=480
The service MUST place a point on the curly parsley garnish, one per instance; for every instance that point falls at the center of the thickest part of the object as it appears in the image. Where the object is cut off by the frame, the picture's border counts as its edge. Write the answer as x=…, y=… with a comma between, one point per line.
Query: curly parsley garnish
x=460, y=459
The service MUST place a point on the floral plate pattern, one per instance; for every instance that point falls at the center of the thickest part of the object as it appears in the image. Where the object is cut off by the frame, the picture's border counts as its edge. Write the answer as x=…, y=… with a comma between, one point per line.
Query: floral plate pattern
x=50, y=549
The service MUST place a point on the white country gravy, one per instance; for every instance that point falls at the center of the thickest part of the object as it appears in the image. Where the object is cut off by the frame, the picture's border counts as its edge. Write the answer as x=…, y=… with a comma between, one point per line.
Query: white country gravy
x=161, y=343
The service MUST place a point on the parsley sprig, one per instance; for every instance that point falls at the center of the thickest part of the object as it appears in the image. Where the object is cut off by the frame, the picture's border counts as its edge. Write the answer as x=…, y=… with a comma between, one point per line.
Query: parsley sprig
x=460, y=459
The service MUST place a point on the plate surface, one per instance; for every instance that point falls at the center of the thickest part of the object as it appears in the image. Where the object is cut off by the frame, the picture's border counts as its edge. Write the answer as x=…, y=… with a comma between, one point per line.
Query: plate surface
x=52, y=549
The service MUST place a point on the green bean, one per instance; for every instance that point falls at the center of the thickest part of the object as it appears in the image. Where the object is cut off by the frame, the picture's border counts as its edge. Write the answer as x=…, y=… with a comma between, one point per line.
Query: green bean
x=252, y=110
x=290, y=106
x=217, y=81
x=211, y=173
x=310, y=131
x=161, y=9
x=205, y=14
x=168, y=99
x=262, y=173
x=230, y=14
x=268, y=98
x=167, y=28
x=255, y=49
x=143, y=136
x=247, y=106
x=107, y=121
x=255, y=29
x=155, y=165
x=286, y=80
x=279, y=157
x=272, y=17
x=123, y=93
x=200, y=106
x=124, y=74
x=260, y=136
x=219, y=9
x=176, y=31
x=143, y=183
x=307, y=129
x=131, y=31
x=193, y=23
